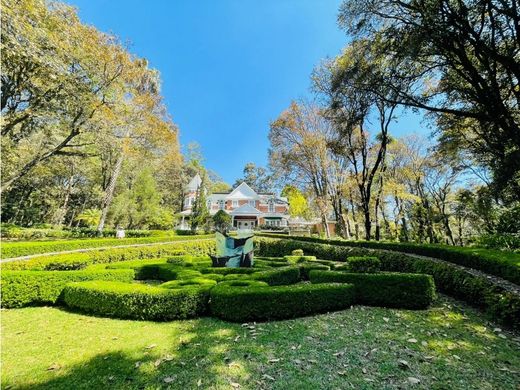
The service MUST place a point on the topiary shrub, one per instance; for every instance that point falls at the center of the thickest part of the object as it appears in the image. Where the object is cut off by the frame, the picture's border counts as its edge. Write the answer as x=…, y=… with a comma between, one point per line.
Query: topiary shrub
x=298, y=259
x=136, y=301
x=227, y=270
x=259, y=303
x=23, y=288
x=279, y=276
x=297, y=252
x=305, y=268
x=406, y=291
x=193, y=282
x=361, y=264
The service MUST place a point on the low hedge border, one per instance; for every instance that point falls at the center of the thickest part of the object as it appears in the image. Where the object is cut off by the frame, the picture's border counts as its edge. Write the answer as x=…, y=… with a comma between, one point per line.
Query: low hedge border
x=403, y=291
x=136, y=301
x=17, y=249
x=24, y=288
x=192, y=282
x=279, y=276
x=197, y=247
x=499, y=263
x=500, y=304
x=256, y=303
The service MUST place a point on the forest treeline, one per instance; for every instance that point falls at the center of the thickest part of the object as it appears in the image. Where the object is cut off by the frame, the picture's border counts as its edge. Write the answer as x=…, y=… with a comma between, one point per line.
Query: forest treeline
x=86, y=138
x=455, y=62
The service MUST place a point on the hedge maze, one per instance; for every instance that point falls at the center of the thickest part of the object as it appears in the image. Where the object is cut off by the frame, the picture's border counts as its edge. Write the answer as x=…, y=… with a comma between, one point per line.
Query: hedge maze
x=177, y=282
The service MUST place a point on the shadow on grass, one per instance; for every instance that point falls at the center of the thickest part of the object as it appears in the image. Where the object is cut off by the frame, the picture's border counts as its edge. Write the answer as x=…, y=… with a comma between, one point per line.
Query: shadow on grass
x=194, y=354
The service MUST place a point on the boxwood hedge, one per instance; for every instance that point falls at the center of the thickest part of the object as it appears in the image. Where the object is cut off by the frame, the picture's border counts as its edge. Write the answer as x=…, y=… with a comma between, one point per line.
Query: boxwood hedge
x=279, y=276
x=256, y=303
x=23, y=288
x=16, y=249
x=499, y=263
x=406, y=291
x=136, y=301
x=198, y=247
x=499, y=303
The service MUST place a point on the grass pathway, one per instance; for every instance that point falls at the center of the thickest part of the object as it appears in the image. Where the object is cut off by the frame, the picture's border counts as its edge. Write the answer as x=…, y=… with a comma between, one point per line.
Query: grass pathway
x=447, y=346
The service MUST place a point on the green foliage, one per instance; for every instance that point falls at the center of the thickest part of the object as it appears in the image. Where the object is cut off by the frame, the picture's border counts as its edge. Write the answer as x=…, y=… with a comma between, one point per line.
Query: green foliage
x=368, y=264
x=194, y=246
x=193, y=282
x=297, y=252
x=499, y=263
x=22, y=288
x=509, y=221
x=136, y=301
x=299, y=206
x=298, y=259
x=89, y=217
x=16, y=249
x=227, y=270
x=238, y=303
x=222, y=221
x=501, y=241
x=398, y=290
x=306, y=268
x=499, y=303
x=199, y=212
x=278, y=276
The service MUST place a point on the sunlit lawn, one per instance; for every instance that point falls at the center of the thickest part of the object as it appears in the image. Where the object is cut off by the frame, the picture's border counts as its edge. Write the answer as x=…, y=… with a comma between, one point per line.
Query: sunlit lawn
x=448, y=347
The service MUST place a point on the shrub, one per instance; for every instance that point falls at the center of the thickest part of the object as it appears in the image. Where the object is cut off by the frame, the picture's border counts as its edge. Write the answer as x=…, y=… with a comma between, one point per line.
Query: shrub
x=16, y=249
x=305, y=268
x=366, y=264
x=227, y=270
x=65, y=267
x=136, y=301
x=405, y=291
x=193, y=282
x=23, y=288
x=297, y=252
x=278, y=276
x=257, y=303
x=270, y=264
x=499, y=303
x=200, y=247
x=298, y=259
x=499, y=263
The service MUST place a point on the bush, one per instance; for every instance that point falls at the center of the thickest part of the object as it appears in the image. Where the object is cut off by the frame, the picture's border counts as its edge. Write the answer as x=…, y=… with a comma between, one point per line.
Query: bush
x=305, y=268
x=499, y=303
x=298, y=259
x=193, y=282
x=227, y=270
x=200, y=247
x=136, y=301
x=279, y=276
x=17, y=249
x=23, y=288
x=499, y=263
x=404, y=291
x=503, y=241
x=363, y=264
x=297, y=252
x=256, y=303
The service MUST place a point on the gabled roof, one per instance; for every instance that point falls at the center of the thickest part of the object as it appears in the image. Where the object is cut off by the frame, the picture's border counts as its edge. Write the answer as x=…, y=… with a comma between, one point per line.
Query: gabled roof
x=195, y=183
x=245, y=209
x=243, y=191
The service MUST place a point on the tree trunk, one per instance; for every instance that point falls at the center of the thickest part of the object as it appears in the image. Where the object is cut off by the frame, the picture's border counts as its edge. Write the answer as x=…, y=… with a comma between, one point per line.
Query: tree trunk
x=60, y=215
x=109, y=193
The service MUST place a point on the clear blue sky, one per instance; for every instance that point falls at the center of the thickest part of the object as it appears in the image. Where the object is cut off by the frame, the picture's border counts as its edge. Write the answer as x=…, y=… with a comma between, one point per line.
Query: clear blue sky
x=228, y=67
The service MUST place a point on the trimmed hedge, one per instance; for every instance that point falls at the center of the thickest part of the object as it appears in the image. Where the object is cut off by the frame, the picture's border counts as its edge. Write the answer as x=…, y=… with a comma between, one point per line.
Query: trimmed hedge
x=198, y=247
x=363, y=264
x=254, y=303
x=499, y=263
x=23, y=288
x=136, y=301
x=193, y=282
x=404, y=291
x=499, y=303
x=306, y=268
x=17, y=249
x=279, y=276
x=293, y=259
x=226, y=270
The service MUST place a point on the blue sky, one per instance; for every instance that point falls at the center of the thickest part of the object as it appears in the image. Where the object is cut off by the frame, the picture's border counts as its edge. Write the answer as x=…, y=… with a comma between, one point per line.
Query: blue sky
x=228, y=67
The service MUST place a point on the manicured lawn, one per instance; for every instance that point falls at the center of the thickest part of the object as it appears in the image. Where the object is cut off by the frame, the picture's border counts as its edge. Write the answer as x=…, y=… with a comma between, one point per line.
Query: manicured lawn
x=448, y=346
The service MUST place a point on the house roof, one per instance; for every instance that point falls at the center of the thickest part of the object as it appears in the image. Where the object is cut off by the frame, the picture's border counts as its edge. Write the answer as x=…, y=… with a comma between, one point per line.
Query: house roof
x=245, y=209
x=195, y=183
x=243, y=191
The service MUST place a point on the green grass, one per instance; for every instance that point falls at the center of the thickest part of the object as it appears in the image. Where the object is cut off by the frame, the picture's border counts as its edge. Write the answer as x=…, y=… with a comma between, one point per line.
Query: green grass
x=25, y=248
x=49, y=348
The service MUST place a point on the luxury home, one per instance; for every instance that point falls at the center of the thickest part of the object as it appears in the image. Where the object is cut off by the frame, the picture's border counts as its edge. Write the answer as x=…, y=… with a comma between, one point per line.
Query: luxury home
x=247, y=208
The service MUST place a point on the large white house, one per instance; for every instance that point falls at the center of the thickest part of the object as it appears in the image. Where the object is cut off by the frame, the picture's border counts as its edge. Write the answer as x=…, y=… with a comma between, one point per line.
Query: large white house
x=246, y=207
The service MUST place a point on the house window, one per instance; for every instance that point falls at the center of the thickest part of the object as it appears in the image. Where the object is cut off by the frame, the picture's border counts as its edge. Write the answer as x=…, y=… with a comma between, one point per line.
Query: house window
x=235, y=203
x=221, y=204
x=271, y=206
x=252, y=203
x=208, y=204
